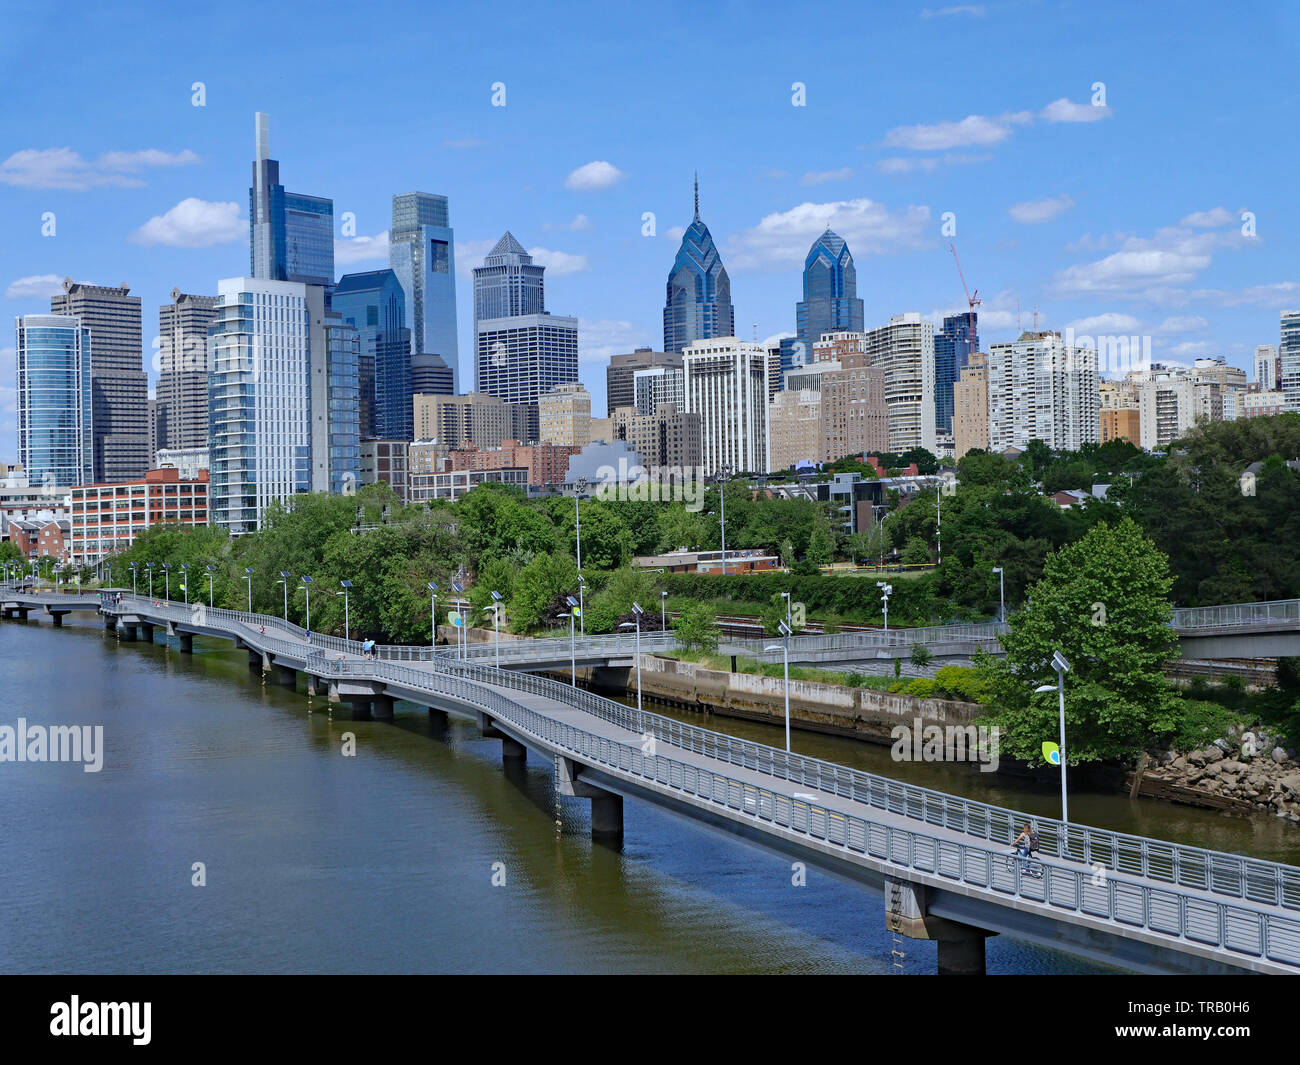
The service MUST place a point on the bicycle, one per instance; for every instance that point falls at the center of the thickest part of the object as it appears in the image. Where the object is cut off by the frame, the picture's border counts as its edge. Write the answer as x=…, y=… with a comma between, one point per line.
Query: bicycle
x=1029, y=865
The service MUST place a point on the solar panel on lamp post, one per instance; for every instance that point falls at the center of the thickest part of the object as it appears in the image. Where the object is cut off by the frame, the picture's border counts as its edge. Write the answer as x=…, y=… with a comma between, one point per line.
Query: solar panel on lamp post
x=784, y=647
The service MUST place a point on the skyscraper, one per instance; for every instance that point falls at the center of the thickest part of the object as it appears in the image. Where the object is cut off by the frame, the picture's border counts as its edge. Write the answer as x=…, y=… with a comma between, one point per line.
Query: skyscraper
x=620, y=375
x=375, y=303
x=698, y=305
x=830, y=300
x=421, y=252
x=334, y=392
x=182, y=396
x=119, y=387
x=520, y=350
x=725, y=383
x=904, y=349
x=259, y=398
x=55, y=414
x=291, y=235
x=1288, y=359
x=953, y=345
x=1041, y=389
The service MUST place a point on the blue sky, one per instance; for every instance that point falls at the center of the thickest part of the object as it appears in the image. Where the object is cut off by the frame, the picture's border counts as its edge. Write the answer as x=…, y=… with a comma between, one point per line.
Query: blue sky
x=1122, y=219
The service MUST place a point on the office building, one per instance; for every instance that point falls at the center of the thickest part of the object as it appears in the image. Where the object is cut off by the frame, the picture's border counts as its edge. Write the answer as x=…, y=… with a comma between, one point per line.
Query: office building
x=830, y=301
x=431, y=374
x=291, y=235
x=375, y=304
x=726, y=385
x=106, y=518
x=452, y=484
x=1042, y=389
x=953, y=345
x=698, y=305
x=187, y=461
x=795, y=429
x=259, y=397
x=55, y=410
x=544, y=462
x=335, y=392
x=652, y=388
x=970, y=406
x=453, y=421
x=181, y=413
x=564, y=416
x=667, y=438
x=386, y=460
x=1266, y=376
x=119, y=387
x=422, y=253
x=620, y=374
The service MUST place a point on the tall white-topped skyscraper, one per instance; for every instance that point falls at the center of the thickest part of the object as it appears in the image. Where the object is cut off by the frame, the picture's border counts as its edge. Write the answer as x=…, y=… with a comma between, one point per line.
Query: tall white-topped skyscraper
x=55, y=417
x=259, y=354
x=520, y=351
x=421, y=252
x=291, y=235
x=725, y=382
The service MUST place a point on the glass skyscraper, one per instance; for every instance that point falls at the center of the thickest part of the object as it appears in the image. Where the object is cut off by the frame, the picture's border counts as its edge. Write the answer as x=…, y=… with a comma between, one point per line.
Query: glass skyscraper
x=421, y=252
x=830, y=300
x=291, y=235
x=375, y=304
x=508, y=284
x=953, y=346
x=698, y=305
x=55, y=417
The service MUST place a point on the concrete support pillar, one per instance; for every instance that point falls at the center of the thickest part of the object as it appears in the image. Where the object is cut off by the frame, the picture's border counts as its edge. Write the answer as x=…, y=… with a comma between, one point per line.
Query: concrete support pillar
x=960, y=946
x=606, y=807
x=128, y=633
x=513, y=751
x=334, y=692
x=360, y=707
x=285, y=676
x=255, y=661
x=110, y=622
x=382, y=707
x=315, y=684
x=146, y=632
x=962, y=957
x=21, y=613
x=439, y=726
x=57, y=616
x=186, y=640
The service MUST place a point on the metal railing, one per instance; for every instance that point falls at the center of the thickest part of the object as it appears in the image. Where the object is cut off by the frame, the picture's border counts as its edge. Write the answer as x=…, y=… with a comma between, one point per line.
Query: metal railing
x=1167, y=911
x=1280, y=613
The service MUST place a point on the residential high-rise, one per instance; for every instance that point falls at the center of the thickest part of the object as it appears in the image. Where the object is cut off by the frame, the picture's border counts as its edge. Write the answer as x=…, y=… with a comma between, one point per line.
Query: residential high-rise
x=56, y=444
x=668, y=439
x=698, y=305
x=1121, y=423
x=1266, y=367
x=855, y=414
x=259, y=397
x=1171, y=399
x=1040, y=389
x=564, y=416
x=953, y=345
x=970, y=406
x=1288, y=360
x=422, y=253
x=726, y=385
x=653, y=388
x=904, y=349
x=520, y=350
x=375, y=304
x=795, y=429
x=291, y=235
x=335, y=390
x=620, y=389
x=182, y=392
x=119, y=386
x=453, y=421
x=830, y=300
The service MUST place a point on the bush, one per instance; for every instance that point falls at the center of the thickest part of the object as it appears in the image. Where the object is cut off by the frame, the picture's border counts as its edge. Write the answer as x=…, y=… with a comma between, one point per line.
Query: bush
x=1200, y=722
x=962, y=682
x=921, y=688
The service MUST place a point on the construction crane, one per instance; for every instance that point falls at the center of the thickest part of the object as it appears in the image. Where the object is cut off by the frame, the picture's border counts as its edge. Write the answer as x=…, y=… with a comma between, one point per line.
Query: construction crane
x=972, y=298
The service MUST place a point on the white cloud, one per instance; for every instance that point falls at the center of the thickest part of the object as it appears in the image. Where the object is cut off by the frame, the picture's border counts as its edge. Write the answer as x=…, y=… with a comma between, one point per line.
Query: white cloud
x=1185, y=324
x=362, y=249
x=579, y=224
x=783, y=238
x=36, y=287
x=600, y=338
x=820, y=177
x=974, y=10
x=1277, y=295
x=928, y=164
x=63, y=168
x=1211, y=219
x=971, y=130
x=594, y=175
x=1108, y=323
x=559, y=263
x=675, y=233
x=193, y=223
x=1033, y=212
x=775, y=339
x=1064, y=110
x=774, y=175
x=470, y=253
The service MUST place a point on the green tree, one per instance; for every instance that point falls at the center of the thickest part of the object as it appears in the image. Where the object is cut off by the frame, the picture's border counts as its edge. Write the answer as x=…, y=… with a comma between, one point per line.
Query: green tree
x=821, y=545
x=915, y=552
x=538, y=587
x=697, y=627
x=1103, y=603
x=920, y=655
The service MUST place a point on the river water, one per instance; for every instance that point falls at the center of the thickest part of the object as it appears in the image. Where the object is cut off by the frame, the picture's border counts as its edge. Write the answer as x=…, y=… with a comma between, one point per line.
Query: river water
x=386, y=861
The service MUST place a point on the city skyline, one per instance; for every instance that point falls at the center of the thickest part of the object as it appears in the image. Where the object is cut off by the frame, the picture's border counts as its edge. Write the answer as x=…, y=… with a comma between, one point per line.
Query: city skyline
x=1053, y=197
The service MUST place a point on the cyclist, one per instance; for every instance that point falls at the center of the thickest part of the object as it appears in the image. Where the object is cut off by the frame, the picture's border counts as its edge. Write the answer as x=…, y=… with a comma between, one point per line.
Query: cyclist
x=1026, y=843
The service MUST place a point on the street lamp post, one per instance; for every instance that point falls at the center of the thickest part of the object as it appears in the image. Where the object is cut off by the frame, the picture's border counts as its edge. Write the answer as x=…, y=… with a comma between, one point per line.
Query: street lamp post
x=185, y=581
x=1002, y=594
x=784, y=648
x=636, y=612
x=724, y=475
x=496, y=624
x=663, y=611
x=1062, y=667
x=306, y=587
x=573, y=650
x=248, y=576
x=886, y=590
x=211, y=595
x=582, y=609
x=284, y=579
x=167, y=581
x=135, y=572
x=433, y=614
x=347, y=626
x=149, y=567
x=461, y=634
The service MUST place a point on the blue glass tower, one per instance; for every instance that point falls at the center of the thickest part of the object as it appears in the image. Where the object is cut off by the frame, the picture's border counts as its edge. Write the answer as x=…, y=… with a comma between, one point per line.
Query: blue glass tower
x=698, y=306
x=830, y=300
x=421, y=251
x=291, y=235
x=952, y=350
x=375, y=303
x=55, y=441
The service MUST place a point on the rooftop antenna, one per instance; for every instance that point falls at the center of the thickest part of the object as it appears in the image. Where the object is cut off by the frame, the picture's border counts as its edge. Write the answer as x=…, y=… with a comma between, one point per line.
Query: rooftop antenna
x=697, y=195
x=1020, y=325
x=1035, y=317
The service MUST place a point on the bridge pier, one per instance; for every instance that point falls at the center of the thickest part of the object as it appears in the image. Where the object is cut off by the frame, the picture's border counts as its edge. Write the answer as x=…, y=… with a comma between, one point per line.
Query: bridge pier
x=146, y=632
x=512, y=751
x=438, y=723
x=255, y=661
x=186, y=640
x=381, y=707
x=57, y=617
x=314, y=684
x=128, y=632
x=360, y=706
x=606, y=806
x=333, y=693
x=960, y=946
x=285, y=676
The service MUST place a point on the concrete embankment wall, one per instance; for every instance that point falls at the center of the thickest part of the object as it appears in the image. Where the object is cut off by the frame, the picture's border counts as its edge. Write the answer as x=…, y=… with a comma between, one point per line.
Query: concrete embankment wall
x=859, y=712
